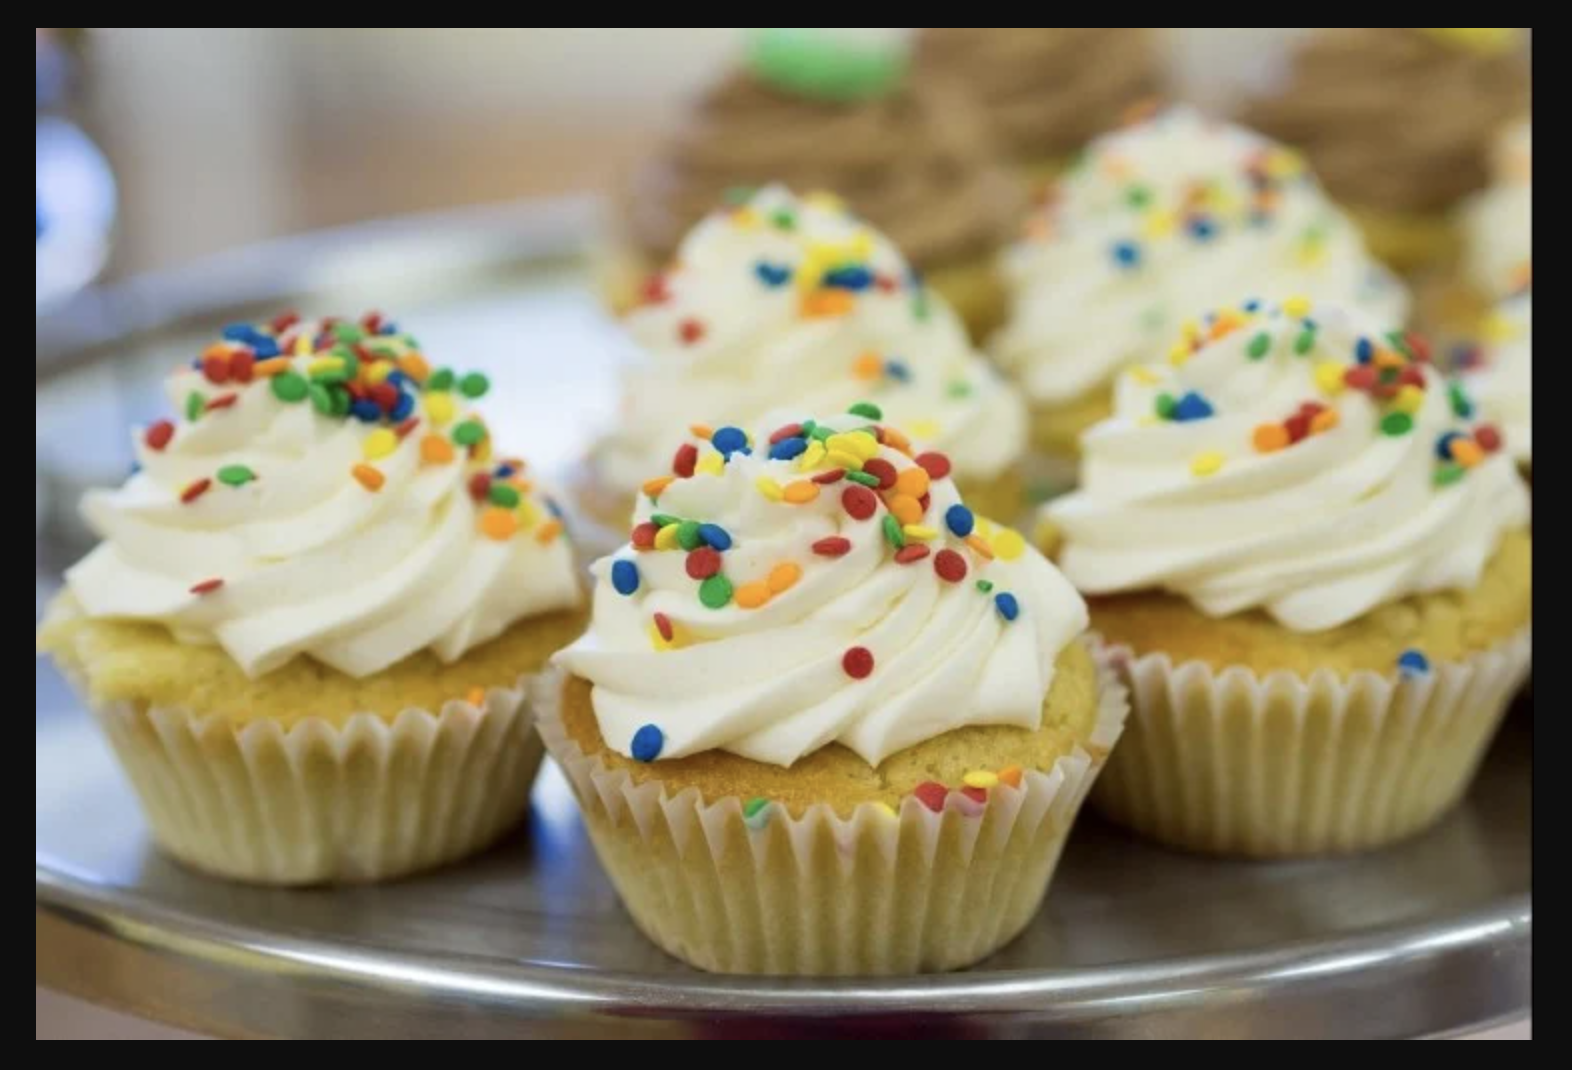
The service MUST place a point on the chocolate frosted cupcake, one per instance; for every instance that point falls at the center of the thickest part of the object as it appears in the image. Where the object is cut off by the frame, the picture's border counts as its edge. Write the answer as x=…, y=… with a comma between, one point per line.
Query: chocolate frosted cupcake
x=1399, y=123
x=1046, y=91
x=913, y=156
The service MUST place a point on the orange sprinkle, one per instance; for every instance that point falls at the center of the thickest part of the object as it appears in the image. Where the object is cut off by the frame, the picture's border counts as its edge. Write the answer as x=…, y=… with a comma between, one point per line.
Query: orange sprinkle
x=1467, y=452
x=897, y=440
x=1225, y=325
x=784, y=576
x=801, y=492
x=266, y=369
x=823, y=304
x=498, y=523
x=980, y=545
x=703, y=431
x=752, y=595
x=913, y=482
x=653, y=487
x=1389, y=358
x=414, y=365
x=868, y=366
x=434, y=449
x=1324, y=420
x=1269, y=438
x=523, y=486
x=368, y=477
x=475, y=696
x=1011, y=775
x=547, y=533
x=905, y=508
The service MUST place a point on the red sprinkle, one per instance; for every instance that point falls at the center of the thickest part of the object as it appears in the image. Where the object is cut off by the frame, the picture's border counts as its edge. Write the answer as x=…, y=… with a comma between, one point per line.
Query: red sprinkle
x=924, y=502
x=911, y=552
x=1361, y=376
x=372, y=321
x=690, y=331
x=222, y=401
x=1411, y=376
x=976, y=794
x=858, y=662
x=683, y=463
x=195, y=490
x=886, y=283
x=158, y=435
x=1298, y=427
x=931, y=795
x=480, y=486
x=654, y=291
x=881, y=470
x=207, y=586
x=403, y=429
x=215, y=368
x=242, y=365
x=937, y=465
x=703, y=563
x=284, y=321
x=1488, y=437
x=663, y=626
x=833, y=546
x=950, y=566
x=1419, y=346
x=782, y=433
x=357, y=389
x=385, y=395
x=833, y=475
x=1311, y=409
x=860, y=502
x=644, y=535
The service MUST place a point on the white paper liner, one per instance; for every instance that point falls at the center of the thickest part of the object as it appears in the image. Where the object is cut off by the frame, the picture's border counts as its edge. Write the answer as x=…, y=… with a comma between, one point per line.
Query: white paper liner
x=369, y=800
x=819, y=895
x=1231, y=763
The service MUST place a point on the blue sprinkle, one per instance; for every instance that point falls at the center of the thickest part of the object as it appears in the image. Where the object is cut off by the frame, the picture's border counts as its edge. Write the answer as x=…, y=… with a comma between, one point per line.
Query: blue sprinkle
x=728, y=440
x=503, y=471
x=1444, y=444
x=624, y=576
x=1252, y=305
x=1192, y=407
x=1127, y=254
x=366, y=410
x=787, y=448
x=1413, y=663
x=1007, y=606
x=388, y=327
x=848, y=278
x=1364, y=351
x=553, y=508
x=898, y=371
x=1201, y=228
x=136, y=466
x=716, y=536
x=647, y=742
x=264, y=347
x=397, y=378
x=959, y=520
x=403, y=406
x=239, y=332
x=772, y=274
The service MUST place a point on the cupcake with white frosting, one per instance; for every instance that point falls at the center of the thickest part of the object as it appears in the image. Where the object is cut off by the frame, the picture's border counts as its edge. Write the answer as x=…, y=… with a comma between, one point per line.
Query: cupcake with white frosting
x=1314, y=567
x=826, y=719
x=794, y=304
x=1498, y=223
x=307, y=626
x=1156, y=224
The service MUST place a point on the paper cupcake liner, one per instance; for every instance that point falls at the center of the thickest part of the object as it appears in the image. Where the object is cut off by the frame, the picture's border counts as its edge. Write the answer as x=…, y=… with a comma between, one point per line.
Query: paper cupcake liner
x=875, y=893
x=1231, y=763
x=314, y=803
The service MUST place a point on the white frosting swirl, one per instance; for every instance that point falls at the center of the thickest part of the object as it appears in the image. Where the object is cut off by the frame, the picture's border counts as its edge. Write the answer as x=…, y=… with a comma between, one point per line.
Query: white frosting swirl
x=765, y=675
x=1158, y=223
x=249, y=526
x=1235, y=511
x=743, y=325
x=1502, y=383
x=1499, y=222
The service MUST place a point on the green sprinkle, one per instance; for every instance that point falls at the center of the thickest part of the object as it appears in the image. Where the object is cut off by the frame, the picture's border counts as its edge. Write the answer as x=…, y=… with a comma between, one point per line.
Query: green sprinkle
x=409, y=340
x=864, y=478
x=469, y=433
x=348, y=333
x=1305, y=342
x=235, y=475
x=920, y=306
x=1399, y=341
x=321, y=398
x=1396, y=423
x=1138, y=197
x=892, y=531
x=339, y=374
x=441, y=379
x=1165, y=406
x=195, y=403
x=504, y=495
x=737, y=196
x=867, y=409
x=289, y=386
x=688, y=537
x=1388, y=376
x=1260, y=346
x=341, y=401
x=351, y=361
x=784, y=219
x=1447, y=474
x=1462, y=407
x=754, y=805
x=474, y=385
x=808, y=427
x=662, y=520
x=821, y=433
x=985, y=586
x=715, y=592
x=960, y=388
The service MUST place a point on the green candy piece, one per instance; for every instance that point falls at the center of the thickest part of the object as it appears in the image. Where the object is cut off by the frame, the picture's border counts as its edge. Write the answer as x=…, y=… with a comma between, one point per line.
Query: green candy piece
x=474, y=385
x=864, y=478
x=1164, y=406
x=341, y=401
x=1447, y=474
x=1396, y=423
x=688, y=538
x=290, y=386
x=235, y=475
x=195, y=403
x=1138, y=197
x=348, y=333
x=821, y=67
x=504, y=495
x=662, y=520
x=867, y=410
x=985, y=586
x=820, y=433
x=784, y=219
x=1399, y=341
x=321, y=398
x=441, y=379
x=959, y=389
x=1305, y=342
x=469, y=433
x=1260, y=346
x=892, y=531
x=920, y=306
x=715, y=592
x=1462, y=407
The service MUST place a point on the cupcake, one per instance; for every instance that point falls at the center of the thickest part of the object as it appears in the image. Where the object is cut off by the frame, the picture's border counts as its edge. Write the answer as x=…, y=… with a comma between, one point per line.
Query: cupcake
x=1498, y=224
x=781, y=305
x=1319, y=593
x=307, y=629
x=826, y=719
x=1498, y=375
x=1398, y=122
x=1046, y=91
x=1156, y=224
x=835, y=114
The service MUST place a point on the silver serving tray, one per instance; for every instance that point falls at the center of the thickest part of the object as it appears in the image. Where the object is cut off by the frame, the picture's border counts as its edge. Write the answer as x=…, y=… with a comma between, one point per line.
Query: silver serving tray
x=1432, y=937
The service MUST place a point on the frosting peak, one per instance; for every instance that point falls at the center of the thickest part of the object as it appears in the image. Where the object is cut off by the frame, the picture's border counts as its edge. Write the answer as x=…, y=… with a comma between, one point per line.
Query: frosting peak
x=325, y=494
x=821, y=583
x=1298, y=460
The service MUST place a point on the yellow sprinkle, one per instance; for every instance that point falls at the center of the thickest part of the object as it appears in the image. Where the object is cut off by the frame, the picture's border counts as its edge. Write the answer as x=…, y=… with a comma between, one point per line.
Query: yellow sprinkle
x=886, y=810
x=1410, y=399
x=801, y=492
x=434, y=449
x=303, y=344
x=861, y=244
x=980, y=778
x=654, y=487
x=1297, y=307
x=548, y=532
x=920, y=532
x=783, y=577
x=439, y=408
x=703, y=431
x=1329, y=377
x=377, y=372
x=660, y=642
x=1145, y=376
x=825, y=200
x=475, y=696
x=1009, y=544
x=666, y=538
x=378, y=444
x=925, y=429
x=1160, y=223
x=1498, y=328
x=324, y=364
x=528, y=513
x=481, y=452
x=841, y=459
x=857, y=443
x=266, y=369
x=711, y=464
x=1180, y=354
x=811, y=457
x=986, y=527
x=745, y=217
x=1205, y=464
x=368, y=477
x=769, y=488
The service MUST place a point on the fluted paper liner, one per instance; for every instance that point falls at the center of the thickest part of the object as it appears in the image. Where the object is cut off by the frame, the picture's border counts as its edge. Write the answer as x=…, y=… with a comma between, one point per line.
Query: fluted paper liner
x=313, y=803
x=875, y=893
x=1231, y=763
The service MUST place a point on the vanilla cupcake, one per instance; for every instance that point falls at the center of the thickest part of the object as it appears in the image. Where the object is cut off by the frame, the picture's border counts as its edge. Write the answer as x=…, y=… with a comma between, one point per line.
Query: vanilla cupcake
x=1156, y=224
x=1316, y=575
x=827, y=720
x=793, y=304
x=1498, y=224
x=307, y=630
